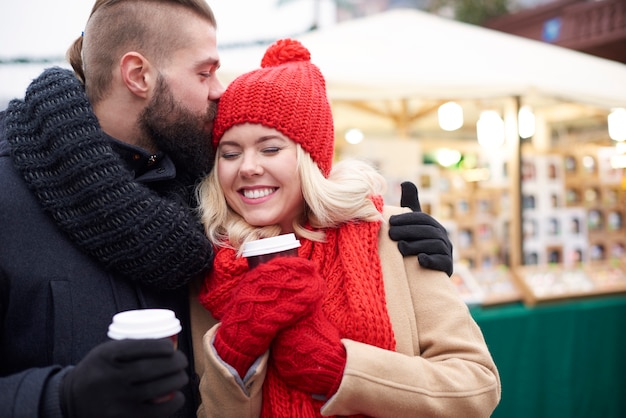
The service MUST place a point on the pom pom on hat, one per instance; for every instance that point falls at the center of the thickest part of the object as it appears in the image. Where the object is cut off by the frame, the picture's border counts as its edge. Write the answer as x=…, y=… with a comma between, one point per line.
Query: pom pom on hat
x=284, y=51
x=288, y=93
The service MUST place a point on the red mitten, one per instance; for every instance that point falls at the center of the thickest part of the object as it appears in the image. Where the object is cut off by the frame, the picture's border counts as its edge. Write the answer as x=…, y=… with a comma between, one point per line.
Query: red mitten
x=309, y=355
x=269, y=298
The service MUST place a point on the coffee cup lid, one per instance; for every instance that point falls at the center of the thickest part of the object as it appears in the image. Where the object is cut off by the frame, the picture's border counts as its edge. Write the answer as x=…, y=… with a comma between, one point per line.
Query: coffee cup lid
x=270, y=245
x=144, y=323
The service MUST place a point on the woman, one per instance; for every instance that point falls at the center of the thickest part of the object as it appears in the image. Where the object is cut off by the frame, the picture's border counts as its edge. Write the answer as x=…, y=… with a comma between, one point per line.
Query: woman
x=347, y=328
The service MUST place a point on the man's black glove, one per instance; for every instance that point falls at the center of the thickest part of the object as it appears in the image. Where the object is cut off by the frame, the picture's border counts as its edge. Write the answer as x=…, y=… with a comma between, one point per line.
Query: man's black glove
x=126, y=378
x=420, y=234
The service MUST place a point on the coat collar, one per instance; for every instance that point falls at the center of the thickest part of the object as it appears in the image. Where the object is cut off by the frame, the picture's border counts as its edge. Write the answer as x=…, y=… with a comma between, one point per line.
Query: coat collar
x=145, y=166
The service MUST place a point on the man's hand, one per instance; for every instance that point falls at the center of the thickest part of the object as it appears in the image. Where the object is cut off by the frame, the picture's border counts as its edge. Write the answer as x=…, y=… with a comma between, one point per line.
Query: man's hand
x=126, y=378
x=418, y=233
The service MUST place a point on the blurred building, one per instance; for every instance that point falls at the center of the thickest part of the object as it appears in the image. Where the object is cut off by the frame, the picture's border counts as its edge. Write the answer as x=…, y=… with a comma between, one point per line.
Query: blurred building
x=594, y=27
x=350, y=9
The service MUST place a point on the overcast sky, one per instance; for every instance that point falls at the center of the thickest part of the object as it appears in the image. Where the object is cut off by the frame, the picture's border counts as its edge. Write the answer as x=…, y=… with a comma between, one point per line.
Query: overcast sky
x=46, y=28
x=36, y=28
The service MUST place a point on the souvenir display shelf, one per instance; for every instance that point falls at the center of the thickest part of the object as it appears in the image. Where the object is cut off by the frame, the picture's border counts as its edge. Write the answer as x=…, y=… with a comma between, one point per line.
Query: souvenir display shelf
x=486, y=286
x=467, y=286
x=556, y=282
x=498, y=285
x=573, y=228
x=572, y=203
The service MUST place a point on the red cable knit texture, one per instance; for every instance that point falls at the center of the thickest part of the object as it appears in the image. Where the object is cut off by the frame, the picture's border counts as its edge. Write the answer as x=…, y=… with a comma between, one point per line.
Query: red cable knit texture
x=287, y=94
x=309, y=355
x=269, y=298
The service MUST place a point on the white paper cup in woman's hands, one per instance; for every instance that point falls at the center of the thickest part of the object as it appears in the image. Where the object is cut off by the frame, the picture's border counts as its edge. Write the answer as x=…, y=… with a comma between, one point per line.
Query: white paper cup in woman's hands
x=263, y=250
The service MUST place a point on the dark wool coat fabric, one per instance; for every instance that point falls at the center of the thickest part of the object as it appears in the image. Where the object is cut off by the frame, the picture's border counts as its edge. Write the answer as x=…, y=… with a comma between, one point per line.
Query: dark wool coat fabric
x=57, y=300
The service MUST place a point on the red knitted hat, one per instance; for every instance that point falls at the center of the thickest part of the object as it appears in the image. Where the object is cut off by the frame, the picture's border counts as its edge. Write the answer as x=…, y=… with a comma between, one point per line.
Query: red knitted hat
x=288, y=93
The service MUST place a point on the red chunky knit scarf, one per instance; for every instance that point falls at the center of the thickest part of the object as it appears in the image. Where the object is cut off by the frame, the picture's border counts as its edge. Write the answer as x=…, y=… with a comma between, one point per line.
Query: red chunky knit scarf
x=355, y=301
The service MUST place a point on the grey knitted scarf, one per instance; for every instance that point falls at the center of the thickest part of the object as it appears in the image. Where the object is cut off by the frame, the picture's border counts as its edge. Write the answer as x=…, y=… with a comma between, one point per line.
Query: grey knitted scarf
x=66, y=159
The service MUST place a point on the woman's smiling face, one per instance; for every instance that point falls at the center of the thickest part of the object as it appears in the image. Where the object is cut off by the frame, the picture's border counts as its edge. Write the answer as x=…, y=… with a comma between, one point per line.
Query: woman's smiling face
x=257, y=170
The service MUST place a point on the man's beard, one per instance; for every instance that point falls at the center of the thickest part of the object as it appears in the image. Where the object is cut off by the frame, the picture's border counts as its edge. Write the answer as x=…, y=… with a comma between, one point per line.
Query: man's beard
x=178, y=132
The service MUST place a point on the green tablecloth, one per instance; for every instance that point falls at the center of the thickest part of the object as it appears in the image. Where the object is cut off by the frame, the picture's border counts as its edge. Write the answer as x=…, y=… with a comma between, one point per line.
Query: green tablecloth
x=559, y=360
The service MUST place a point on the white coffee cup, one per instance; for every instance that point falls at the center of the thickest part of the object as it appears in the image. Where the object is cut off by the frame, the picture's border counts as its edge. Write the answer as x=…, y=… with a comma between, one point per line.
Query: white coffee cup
x=263, y=250
x=145, y=323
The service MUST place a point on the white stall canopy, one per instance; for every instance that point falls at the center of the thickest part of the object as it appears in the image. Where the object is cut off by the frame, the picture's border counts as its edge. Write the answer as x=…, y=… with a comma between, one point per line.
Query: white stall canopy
x=388, y=73
x=403, y=63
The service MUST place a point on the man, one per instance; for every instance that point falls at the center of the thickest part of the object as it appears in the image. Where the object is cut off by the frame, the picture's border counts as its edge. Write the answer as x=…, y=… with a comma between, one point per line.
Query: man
x=114, y=233
x=97, y=176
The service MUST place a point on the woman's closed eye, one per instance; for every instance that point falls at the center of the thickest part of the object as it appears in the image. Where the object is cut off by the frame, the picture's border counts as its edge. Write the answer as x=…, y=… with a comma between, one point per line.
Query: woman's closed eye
x=271, y=150
x=230, y=155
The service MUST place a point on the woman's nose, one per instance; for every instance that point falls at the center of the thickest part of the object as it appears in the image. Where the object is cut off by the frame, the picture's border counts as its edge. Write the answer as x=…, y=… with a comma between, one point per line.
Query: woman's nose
x=250, y=166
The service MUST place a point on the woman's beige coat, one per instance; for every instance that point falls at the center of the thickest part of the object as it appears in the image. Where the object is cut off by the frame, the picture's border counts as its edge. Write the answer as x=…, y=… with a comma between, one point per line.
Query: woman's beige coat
x=442, y=367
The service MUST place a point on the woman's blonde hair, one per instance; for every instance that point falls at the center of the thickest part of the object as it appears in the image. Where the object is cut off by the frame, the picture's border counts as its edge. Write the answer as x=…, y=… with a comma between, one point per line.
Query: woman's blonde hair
x=328, y=202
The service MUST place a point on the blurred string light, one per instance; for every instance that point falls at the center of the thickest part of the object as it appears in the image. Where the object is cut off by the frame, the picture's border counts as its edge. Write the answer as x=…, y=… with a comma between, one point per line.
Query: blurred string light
x=526, y=122
x=589, y=163
x=447, y=157
x=450, y=116
x=619, y=159
x=490, y=129
x=617, y=124
x=354, y=136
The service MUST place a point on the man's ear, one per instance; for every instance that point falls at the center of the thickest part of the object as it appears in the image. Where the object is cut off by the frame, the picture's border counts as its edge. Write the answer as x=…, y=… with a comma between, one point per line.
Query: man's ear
x=137, y=74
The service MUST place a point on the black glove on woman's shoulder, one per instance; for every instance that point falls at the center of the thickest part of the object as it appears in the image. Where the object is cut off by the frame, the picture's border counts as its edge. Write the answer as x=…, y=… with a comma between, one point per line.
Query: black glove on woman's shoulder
x=418, y=233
